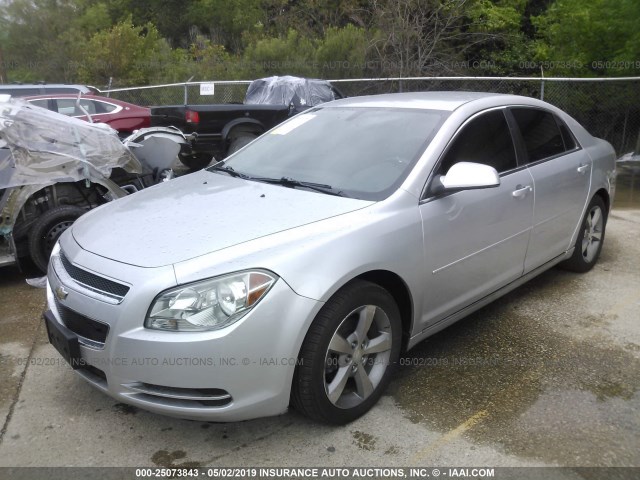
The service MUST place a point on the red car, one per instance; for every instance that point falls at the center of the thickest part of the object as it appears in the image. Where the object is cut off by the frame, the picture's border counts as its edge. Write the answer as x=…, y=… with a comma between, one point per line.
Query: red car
x=121, y=116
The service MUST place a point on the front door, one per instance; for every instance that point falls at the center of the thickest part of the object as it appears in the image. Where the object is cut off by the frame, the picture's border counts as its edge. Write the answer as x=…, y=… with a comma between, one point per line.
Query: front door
x=475, y=241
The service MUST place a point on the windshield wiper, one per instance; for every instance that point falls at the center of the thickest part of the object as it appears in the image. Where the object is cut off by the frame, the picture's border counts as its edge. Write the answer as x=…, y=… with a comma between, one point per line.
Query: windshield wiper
x=292, y=182
x=284, y=181
x=229, y=170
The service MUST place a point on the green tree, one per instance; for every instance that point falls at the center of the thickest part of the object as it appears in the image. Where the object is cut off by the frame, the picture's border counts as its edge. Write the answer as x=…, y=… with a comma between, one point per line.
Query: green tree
x=342, y=53
x=129, y=55
x=226, y=23
x=33, y=50
x=293, y=55
x=501, y=42
x=171, y=17
x=590, y=38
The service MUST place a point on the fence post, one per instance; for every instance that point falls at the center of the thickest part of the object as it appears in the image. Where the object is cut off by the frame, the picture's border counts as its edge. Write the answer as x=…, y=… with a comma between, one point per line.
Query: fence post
x=186, y=91
x=541, y=84
x=624, y=133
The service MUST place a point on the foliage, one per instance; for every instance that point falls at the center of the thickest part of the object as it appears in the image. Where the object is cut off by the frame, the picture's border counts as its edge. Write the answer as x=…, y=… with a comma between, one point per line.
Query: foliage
x=342, y=53
x=292, y=53
x=134, y=42
x=593, y=38
x=124, y=55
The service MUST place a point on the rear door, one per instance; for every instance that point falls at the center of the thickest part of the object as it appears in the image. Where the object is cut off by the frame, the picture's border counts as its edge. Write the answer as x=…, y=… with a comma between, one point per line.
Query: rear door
x=561, y=174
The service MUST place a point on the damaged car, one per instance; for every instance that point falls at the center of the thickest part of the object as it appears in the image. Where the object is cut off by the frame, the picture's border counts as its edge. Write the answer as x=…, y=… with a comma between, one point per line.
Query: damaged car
x=54, y=168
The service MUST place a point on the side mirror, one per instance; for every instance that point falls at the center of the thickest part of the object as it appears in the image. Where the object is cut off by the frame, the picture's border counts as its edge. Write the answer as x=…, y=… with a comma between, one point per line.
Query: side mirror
x=469, y=176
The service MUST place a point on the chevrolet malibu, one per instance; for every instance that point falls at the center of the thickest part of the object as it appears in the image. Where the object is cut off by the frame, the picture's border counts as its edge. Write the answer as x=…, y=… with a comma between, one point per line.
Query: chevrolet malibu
x=297, y=270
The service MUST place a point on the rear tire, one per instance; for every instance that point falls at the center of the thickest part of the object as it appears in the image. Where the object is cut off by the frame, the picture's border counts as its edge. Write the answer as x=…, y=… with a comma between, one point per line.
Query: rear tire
x=47, y=230
x=239, y=142
x=348, y=355
x=590, y=238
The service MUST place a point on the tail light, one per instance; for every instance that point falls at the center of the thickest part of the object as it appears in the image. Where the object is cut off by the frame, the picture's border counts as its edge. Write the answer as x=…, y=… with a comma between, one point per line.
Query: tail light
x=192, y=117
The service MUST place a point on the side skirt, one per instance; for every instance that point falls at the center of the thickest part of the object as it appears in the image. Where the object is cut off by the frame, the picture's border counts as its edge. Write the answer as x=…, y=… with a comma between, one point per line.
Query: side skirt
x=478, y=304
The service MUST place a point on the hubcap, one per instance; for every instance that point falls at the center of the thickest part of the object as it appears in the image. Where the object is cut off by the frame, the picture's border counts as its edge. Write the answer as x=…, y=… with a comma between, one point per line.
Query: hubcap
x=357, y=357
x=592, y=235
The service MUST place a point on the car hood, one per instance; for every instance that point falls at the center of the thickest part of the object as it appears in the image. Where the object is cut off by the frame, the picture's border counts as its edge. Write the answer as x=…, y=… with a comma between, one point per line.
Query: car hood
x=198, y=214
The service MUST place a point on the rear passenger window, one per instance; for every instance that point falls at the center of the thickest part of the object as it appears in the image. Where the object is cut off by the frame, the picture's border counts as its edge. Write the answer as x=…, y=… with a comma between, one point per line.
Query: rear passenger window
x=40, y=103
x=102, y=107
x=485, y=139
x=540, y=132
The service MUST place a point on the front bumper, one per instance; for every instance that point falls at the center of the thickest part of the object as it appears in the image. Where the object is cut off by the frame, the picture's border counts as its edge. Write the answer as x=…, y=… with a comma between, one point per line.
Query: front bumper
x=241, y=372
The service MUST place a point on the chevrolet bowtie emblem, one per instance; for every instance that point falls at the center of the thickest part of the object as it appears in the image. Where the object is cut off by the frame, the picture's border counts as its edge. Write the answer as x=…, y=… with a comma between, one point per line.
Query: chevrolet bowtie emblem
x=61, y=293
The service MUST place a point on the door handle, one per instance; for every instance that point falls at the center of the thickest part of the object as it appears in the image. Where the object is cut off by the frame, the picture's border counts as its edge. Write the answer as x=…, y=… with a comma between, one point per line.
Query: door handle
x=521, y=191
x=582, y=169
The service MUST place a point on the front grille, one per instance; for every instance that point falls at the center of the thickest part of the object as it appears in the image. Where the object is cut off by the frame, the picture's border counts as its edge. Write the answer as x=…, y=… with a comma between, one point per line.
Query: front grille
x=81, y=325
x=93, y=281
x=181, y=397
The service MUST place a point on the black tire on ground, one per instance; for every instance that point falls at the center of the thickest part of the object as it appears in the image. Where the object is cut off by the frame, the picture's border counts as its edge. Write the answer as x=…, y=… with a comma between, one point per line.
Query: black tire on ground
x=317, y=390
x=47, y=230
x=196, y=161
x=590, y=238
x=239, y=142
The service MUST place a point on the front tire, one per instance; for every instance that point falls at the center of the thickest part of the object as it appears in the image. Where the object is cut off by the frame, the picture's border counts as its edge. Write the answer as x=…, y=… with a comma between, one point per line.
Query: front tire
x=590, y=238
x=47, y=230
x=348, y=355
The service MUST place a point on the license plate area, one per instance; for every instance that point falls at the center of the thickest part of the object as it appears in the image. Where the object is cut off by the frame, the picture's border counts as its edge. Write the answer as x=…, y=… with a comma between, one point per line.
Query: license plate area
x=63, y=340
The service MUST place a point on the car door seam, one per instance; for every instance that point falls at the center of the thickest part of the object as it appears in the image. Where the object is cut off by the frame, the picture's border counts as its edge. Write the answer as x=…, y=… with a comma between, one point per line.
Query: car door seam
x=438, y=270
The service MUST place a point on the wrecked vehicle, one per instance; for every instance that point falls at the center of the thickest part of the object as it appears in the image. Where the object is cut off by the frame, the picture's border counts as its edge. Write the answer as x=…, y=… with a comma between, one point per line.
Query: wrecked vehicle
x=53, y=168
x=223, y=129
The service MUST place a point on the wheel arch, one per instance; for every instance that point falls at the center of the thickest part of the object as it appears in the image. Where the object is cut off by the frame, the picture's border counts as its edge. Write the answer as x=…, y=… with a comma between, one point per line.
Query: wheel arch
x=242, y=125
x=606, y=198
x=392, y=283
x=399, y=290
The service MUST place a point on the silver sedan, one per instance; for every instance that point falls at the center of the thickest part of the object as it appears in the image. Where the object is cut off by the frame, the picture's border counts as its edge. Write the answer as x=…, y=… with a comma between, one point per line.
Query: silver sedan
x=297, y=270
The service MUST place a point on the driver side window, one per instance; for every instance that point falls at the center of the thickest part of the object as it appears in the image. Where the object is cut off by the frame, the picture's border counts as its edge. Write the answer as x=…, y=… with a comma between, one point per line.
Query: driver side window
x=485, y=139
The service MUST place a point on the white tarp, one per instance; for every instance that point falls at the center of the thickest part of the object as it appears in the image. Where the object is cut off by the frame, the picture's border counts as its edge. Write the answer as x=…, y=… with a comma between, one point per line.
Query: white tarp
x=47, y=147
x=287, y=89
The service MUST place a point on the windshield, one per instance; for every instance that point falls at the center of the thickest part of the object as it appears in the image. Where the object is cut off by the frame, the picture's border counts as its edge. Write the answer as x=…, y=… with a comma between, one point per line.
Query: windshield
x=362, y=153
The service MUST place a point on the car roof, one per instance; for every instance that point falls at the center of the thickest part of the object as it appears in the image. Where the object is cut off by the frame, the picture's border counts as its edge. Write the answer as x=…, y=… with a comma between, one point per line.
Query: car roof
x=69, y=95
x=440, y=100
x=114, y=101
x=46, y=86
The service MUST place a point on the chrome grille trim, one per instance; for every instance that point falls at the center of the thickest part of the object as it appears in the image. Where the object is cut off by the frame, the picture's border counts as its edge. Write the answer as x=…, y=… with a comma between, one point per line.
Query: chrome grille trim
x=200, y=395
x=192, y=398
x=114, y=294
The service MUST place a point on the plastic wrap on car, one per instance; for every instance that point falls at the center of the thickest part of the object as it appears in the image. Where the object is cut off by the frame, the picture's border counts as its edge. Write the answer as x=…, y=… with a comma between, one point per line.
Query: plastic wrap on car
x=47, y=147
x=286, y=90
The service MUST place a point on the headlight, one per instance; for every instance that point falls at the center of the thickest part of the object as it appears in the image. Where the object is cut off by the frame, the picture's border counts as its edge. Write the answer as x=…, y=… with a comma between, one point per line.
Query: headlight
x=209, y=304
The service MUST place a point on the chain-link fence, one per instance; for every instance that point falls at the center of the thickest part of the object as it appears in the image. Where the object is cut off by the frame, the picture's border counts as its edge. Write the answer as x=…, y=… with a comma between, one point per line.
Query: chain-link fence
x=607, y=108
x=182, y=93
